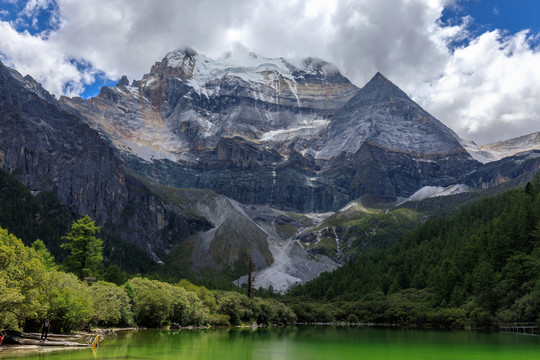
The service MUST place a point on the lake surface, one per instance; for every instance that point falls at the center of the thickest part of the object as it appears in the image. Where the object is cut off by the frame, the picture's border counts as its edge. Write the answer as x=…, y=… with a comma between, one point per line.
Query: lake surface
x=298, y=343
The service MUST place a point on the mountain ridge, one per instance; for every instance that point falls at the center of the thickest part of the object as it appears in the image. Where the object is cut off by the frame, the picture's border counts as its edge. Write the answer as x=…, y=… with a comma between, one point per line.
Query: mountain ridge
x=154, y=160
x=296, y=129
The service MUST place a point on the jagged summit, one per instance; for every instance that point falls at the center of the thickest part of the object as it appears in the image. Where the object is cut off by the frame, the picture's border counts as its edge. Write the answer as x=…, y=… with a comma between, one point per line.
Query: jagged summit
x=186, y=51
x=123, y=81
x=378, y=89
x=9, y=75
x=380, y=86
x=201, y=71
x=382, y=114
x=275, y=131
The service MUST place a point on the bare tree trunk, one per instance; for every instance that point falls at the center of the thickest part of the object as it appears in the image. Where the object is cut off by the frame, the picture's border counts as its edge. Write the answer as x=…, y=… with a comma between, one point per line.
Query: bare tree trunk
x=251, y=280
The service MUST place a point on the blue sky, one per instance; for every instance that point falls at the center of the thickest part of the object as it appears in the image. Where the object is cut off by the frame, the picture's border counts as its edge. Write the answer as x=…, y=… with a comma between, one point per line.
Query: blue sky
x=42, y=20
x=509, y=15
x=466, y=61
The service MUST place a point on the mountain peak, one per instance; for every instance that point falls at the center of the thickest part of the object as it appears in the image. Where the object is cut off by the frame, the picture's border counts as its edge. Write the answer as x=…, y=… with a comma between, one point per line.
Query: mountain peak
x=201, y=72
x=185, y=51
x=379, y=87
x=123, y=81
x=381, y=113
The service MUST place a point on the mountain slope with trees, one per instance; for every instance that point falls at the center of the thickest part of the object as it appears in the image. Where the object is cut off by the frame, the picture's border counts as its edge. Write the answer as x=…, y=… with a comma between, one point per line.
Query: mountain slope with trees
x=481, y=264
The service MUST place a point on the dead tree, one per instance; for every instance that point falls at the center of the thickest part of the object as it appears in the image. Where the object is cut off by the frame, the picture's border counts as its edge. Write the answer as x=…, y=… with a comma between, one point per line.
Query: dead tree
x=250, y=280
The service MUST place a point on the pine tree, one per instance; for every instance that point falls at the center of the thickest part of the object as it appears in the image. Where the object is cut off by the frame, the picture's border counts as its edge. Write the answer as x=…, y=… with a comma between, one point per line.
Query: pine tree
x=86, y=250
x=46, y=258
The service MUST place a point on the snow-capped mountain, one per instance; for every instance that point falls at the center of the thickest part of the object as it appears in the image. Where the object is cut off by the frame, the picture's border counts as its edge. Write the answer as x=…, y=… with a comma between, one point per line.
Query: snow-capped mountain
x=296, y=136
x=213, y=154
x=188, y=102
x=502, y=149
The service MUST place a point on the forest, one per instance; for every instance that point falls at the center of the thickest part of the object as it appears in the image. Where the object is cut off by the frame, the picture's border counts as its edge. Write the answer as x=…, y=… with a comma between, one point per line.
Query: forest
x=477, y=267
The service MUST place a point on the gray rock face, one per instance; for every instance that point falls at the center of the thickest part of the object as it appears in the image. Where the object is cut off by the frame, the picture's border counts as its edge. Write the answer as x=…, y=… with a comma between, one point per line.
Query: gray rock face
x=265, y=131
x=49, y=149
x=516, y=169
x=383, y=115
x=501, y=149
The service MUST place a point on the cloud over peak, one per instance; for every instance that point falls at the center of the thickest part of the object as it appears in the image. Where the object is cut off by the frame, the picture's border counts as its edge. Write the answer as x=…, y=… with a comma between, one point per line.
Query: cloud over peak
x=476, y=84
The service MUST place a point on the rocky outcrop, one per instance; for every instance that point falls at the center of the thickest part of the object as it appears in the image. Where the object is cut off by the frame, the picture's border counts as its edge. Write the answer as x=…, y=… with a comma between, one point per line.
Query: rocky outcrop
x=501, y=149
x=264, y=131
x=513, y=170
x=51, y=150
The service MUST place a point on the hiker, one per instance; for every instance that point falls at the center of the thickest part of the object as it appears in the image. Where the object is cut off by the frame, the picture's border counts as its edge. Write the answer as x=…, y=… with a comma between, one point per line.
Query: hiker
x=2, y=338
x=45, y=328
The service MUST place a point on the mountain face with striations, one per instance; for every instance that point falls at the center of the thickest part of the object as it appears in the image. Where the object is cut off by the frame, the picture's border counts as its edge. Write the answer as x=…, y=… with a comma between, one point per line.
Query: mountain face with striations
x=206, y=163
x=295, y=136
x=51, y=150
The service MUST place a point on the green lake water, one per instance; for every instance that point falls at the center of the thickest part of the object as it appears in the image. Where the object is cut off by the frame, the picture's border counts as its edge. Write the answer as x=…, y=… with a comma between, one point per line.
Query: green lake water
x=298, y=343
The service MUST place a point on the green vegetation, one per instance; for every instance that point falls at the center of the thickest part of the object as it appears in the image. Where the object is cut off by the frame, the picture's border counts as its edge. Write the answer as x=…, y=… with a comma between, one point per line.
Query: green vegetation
x=31, y=287
x=361, y=230
x=85, y=249
x=480, y=265
x=21, y=282
x=381, y=230
x=32, y=217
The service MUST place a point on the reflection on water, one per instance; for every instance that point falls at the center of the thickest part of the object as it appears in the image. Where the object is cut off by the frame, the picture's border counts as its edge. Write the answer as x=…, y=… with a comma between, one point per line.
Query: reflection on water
x=305, y=343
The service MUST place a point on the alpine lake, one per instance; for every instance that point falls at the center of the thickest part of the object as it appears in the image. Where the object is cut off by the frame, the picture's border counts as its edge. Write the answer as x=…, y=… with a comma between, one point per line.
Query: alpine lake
x=299, y=343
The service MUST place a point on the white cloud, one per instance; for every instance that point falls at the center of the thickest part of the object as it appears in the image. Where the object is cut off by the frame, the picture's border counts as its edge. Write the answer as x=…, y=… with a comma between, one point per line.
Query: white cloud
x=128, y=36
x=43, y=60
x=485, y=91
x=33, y=7
x=489, y=90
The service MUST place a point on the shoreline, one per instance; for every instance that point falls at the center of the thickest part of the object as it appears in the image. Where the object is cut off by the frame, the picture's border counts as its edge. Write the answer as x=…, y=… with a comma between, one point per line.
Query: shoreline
x=105, y=332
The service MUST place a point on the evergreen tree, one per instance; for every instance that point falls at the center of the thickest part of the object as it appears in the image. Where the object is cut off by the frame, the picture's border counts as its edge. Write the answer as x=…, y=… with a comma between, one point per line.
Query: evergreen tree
x=85, y=248
x=46, y=257
x=114, y=274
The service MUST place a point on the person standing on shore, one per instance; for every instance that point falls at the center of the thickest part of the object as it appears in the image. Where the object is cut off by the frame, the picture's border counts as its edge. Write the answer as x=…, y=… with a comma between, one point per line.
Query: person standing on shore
x=45, y=328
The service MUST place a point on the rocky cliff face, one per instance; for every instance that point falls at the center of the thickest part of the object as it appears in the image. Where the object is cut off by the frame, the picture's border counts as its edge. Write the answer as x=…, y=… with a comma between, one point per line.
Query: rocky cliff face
x=49, y=149
x=265, y=131
x=515, y=170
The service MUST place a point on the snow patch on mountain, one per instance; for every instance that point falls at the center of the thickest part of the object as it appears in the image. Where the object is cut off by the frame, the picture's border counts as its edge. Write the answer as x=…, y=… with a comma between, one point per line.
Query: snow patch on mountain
x=204, y=74
x=435, y=191
x=501, y=149
x=307, y=128
x=246, y=66
x=477, y=153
